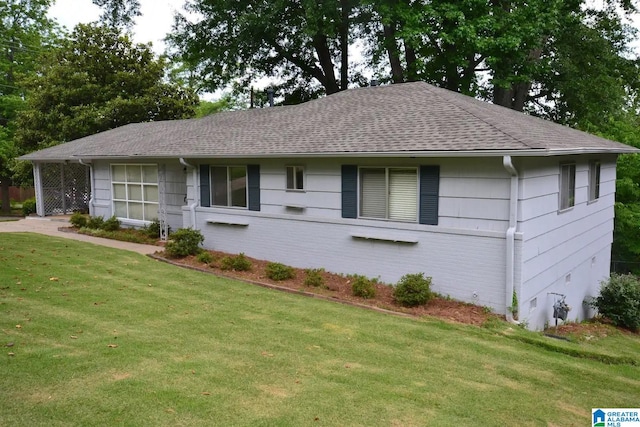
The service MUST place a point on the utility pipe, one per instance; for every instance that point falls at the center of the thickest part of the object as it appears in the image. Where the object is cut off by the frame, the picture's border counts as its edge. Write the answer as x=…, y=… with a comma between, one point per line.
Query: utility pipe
x=192, y=206
x=92, y=183
x=510, y=237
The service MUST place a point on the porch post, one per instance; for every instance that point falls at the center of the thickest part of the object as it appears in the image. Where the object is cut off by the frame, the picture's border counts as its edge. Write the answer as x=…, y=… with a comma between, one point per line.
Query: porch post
x=39, y=193
x=162, y=201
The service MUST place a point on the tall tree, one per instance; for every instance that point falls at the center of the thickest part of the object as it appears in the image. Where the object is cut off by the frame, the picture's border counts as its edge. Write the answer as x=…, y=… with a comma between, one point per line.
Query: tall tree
x=97, y=80
x=298, y=42
x=23, y=30
x=118, y=13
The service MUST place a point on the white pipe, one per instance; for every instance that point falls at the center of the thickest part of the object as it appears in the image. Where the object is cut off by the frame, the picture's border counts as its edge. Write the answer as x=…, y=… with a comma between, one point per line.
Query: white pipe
x=91, y=179
x=192, y=206
x=510, y=238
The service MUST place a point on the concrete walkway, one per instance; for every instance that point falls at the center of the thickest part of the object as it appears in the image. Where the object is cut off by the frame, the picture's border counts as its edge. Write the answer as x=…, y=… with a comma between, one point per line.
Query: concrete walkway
x=49, y=226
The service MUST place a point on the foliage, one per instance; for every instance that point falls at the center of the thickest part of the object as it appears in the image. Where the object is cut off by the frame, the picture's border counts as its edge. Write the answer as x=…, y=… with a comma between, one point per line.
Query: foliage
x=277, y=271
x=313, y=277
x=619, y=301
x=184, y=242
x=362, y=286
x=29, y=206
x=24, y=29
x=111, y=224
x=95, y=223
x=78, y=220
x=236, y=262
x=413, y=290
x=131, y=235
x=152, y=229
x=204, y=257
x=119, y=13
x=97, y=80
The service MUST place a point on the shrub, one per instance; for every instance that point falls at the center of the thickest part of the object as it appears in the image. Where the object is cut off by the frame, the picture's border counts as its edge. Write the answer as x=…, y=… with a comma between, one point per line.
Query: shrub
x=204, y=257
x=95, y=223
x=78, y=220
x=314, y=277
x=277, y=271
x=363, y=286
x=413, y=290
x=238, y=263
x=619, y=301
x=153, y=229
x=111, y=224
x=29, y=206
x=184, y=242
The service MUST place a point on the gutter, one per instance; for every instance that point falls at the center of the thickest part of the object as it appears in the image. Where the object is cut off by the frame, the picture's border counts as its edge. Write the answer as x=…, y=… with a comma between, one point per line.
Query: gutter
x=529, y=152
x=92, y=183
x=192, y=206
x=510, y=238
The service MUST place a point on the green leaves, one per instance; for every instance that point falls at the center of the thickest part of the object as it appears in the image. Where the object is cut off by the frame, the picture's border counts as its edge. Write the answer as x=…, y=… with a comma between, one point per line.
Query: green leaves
x=97, y=80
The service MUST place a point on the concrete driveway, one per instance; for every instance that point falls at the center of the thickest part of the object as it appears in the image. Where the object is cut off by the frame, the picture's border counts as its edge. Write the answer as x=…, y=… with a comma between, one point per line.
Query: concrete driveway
x=49, y=226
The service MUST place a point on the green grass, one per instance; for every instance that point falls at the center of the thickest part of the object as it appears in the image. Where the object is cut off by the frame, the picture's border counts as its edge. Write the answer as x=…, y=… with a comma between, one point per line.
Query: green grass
x=193, y=349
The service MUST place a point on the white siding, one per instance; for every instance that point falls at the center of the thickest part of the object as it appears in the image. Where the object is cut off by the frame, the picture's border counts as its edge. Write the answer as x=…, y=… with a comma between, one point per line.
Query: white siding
x=564, y=252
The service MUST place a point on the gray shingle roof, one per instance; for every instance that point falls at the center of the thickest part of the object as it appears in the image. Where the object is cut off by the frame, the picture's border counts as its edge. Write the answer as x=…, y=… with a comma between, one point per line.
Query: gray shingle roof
x=400, y=119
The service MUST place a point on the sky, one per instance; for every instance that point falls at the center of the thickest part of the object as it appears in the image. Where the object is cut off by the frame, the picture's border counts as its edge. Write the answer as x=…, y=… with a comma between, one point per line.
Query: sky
x=152, y=26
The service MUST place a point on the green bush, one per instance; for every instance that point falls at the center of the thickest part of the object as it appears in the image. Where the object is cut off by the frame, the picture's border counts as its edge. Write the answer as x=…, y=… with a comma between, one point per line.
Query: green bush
x=184, y=242
x=277, y=271
x=204, y=257
x=619, y=301
x=78, y=220
x=238, y=263
x=413, y=290
x=95, y=223
x=153, y=229
x=29, y=206
x=111, y=224
x=314, y=277
x=363, y=286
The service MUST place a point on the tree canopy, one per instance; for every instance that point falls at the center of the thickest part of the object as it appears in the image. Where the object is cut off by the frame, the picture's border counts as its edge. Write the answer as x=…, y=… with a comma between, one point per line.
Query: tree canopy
x=97, y=80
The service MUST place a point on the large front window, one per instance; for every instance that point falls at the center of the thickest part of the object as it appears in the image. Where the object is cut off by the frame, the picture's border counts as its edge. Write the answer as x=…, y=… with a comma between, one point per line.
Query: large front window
x=135, y=191
x=389, y=193
x=229, y=186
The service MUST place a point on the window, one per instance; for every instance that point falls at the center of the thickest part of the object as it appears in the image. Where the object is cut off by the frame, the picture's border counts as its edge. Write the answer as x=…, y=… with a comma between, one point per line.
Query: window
x=295, y=178
x=389, y=193
x=567, y=186
x=428, y=194
x=229, y=186
x=594, y=181
x=135, y=191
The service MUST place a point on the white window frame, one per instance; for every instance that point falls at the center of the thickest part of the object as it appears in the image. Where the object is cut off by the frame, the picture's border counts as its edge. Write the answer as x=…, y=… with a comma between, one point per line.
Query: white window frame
x=388, y=216
x=567, y=182
x=128, y=190
x=594, y=180
x=294, y=169
x=229, y=190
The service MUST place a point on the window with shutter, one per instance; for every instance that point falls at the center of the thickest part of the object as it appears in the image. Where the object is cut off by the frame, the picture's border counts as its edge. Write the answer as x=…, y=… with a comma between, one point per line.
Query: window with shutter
x=389, y=193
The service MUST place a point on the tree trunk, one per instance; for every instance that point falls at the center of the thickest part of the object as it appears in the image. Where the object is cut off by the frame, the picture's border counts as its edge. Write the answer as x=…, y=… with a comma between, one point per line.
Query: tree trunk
x=344, y=44
x=391, y=45
x=326, y=63
x=412, y=63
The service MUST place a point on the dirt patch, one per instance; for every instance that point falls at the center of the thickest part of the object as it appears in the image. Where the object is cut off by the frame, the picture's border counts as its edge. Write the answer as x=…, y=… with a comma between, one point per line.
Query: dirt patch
x=337, y=288
x=586, y=331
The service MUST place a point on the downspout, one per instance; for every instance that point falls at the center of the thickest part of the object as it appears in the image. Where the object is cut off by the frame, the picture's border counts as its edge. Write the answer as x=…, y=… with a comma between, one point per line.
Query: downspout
x=91, y=183
x=192, y=206
x=510, y=237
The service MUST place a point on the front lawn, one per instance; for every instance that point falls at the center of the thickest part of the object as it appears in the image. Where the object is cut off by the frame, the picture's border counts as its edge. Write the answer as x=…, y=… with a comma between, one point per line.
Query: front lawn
x=97, y=336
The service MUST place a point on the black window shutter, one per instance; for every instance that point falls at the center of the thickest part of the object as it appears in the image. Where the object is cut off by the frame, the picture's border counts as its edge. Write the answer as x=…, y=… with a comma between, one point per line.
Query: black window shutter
x=429, y=188
x=205, y=186
x=253, y=181
x=349, y=191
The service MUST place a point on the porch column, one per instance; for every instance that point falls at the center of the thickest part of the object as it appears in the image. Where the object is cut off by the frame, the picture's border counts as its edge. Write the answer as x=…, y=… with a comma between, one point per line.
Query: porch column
x=39, y=193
